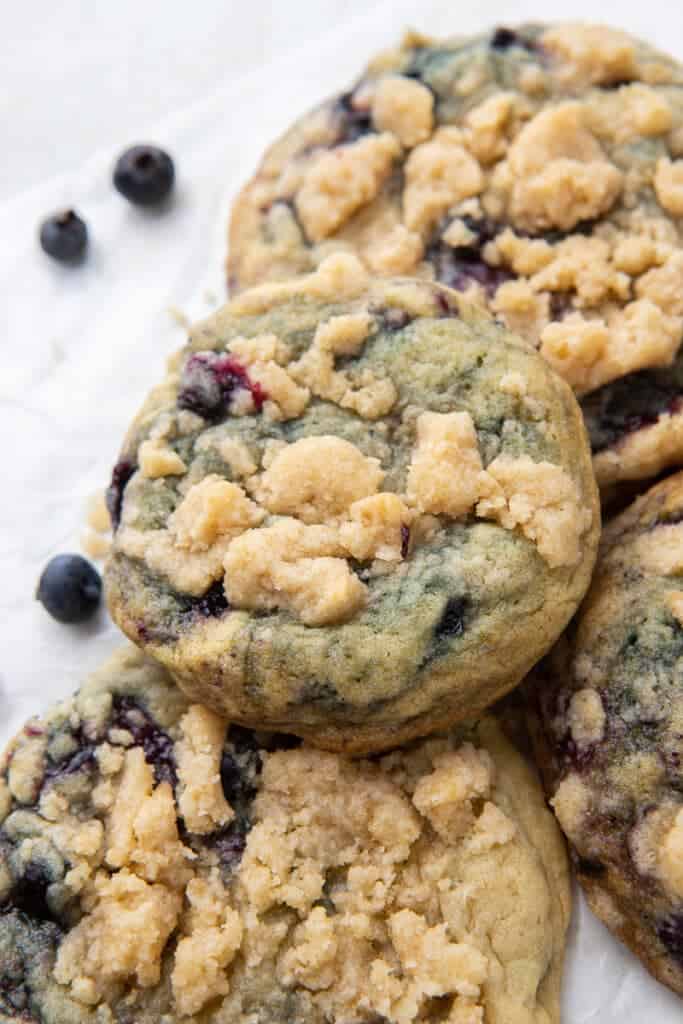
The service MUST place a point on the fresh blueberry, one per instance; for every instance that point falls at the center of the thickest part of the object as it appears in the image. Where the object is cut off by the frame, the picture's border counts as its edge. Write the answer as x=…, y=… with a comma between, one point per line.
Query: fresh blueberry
x=64, y=236
x=144, y=175
x=70, y=588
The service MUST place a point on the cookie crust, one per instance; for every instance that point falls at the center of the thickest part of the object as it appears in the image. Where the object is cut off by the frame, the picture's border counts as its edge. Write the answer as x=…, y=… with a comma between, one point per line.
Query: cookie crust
x=609, y=732
x=538, y=169
x=331, y=554
x=156, y=864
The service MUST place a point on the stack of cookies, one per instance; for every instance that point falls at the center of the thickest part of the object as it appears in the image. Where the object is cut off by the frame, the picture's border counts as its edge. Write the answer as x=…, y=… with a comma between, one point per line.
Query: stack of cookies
x=363, y=506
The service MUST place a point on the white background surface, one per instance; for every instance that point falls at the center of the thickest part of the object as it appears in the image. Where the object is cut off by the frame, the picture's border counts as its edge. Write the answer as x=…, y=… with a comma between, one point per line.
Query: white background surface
x=213, y=80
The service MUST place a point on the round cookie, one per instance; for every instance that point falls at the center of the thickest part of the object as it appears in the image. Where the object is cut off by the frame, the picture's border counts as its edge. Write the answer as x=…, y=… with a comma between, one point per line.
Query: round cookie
x=156, y=865
x=539, y=169
x=611, y=743
x=356, y=512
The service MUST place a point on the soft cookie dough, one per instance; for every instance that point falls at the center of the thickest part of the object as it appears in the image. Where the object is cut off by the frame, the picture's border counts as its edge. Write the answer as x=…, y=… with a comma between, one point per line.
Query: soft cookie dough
x=353, y=511
x=539, y=169
x=157, y=865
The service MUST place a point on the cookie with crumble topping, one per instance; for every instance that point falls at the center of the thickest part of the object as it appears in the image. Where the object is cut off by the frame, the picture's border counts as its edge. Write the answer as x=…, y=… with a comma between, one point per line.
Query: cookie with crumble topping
x=353, y=511
x=158, y=865
x=539, y=169
x=611, y=736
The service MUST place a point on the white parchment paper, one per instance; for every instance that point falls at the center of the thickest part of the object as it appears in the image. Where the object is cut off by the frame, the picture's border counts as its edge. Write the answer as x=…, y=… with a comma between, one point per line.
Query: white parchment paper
x=79, y=349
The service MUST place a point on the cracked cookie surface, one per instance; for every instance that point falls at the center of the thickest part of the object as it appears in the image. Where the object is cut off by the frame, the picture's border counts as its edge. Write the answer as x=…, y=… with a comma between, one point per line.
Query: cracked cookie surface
x=611, y=737
x=158, y=865
x=539, y=169
x=342, y=495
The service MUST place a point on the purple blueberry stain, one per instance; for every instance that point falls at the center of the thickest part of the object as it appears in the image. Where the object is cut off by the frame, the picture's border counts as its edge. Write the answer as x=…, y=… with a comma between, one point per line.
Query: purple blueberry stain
x=461, y=266
x=121, y=474
x=451, y=623
x=560, y=305
x=589, y=867
x=83, y=757
x=240, y=767
x=29, y=893
x=670, y=932
x=33, y=730
x=405, y=540
x=352, y=121
x=229, y=844
x=156, y=744
x=629, y=404
x=503, y=38
x=446, y=308
x=238, y=790
x=213, y=603
x=209, y=380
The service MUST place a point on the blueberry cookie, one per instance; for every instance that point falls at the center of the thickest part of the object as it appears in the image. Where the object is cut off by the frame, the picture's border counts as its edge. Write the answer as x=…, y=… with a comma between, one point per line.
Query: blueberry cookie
x=158, y=866
x=353, y=511
x=611, y=699
x=540, y=169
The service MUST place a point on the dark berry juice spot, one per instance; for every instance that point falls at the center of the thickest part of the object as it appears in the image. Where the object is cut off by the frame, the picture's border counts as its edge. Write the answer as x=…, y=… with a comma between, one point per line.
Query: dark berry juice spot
x=64, y=237
x=405, y=540
x=460, y=266
x=670, y=933
x=238, y=787
x=84, y=757
x=156, y=744
x=504, y=38
x=560, y=305
x=29, y=893
x=629, y=404
x=616, y=84
x=351, y=122
x=240, y=767
x=452, y=621
x=554, y=235
x=578, y=759
x=121, y=474
x=229, y=844
x=446, y=308
x=70, y=588
x=590, y=868
x=213, y=603
x=208, y=381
